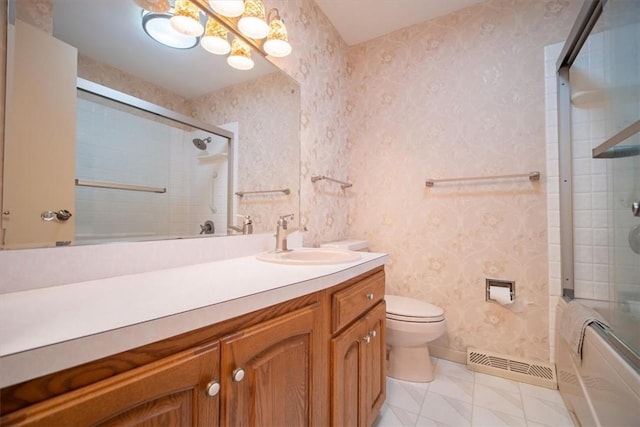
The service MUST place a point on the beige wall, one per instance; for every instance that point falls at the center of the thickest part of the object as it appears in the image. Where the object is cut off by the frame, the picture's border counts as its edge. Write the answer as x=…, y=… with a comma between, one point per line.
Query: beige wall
x=3, y=68
x=462, y=95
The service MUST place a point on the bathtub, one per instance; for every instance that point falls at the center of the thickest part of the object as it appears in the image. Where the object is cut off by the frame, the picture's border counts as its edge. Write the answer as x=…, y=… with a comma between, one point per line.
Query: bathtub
x=601, y=390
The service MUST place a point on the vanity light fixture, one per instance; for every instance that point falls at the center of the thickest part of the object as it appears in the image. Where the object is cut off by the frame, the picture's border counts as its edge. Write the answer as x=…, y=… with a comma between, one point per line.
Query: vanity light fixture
x=277, y=43
x=186, y=18
x=182, y=27
x=158, y=27
x=228, y=8
x=252, y=23
x=240, y=56
x=215, y=38
x=158, y=6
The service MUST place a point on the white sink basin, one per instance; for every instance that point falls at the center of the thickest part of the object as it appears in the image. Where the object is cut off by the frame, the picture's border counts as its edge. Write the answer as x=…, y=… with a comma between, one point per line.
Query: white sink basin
x=310, y=256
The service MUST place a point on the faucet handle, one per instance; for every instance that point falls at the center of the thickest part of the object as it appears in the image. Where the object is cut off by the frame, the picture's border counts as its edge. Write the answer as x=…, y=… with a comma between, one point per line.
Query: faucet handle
x=245, y=218
x=283, y=219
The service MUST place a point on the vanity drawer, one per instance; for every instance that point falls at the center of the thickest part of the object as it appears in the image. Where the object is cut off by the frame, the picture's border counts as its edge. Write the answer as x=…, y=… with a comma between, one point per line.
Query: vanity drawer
x=349, y=303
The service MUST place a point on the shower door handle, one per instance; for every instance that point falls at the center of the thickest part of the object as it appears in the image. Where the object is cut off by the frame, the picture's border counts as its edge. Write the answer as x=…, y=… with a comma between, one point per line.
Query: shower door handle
x=635, y=208
x=61, y=215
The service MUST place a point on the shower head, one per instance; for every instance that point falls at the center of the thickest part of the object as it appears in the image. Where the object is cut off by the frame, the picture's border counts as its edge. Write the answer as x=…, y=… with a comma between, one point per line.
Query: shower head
x=201, y=144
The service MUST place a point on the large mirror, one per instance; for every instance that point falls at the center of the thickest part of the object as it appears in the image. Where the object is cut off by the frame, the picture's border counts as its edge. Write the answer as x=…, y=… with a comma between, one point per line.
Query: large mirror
x=136, y=140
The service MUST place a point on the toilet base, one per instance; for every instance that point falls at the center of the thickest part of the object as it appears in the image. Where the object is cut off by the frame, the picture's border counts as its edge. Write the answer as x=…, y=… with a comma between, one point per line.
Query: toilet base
x=410, y=364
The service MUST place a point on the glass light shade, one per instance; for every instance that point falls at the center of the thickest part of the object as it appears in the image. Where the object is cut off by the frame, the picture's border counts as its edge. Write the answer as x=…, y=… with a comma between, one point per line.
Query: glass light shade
x=158, y=27
x=158, y=6
x=186, y=18
x=228, y=8
x=215, y=38
x=252, y=23
x=277, y=43
x=240, y=56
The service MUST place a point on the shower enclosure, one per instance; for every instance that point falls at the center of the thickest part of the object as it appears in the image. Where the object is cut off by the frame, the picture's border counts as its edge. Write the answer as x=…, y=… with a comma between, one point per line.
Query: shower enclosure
x=144, y=175
x=599, y=133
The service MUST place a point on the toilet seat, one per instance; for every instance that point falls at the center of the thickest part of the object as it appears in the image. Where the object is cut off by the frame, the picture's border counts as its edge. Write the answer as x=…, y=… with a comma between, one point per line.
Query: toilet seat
x=411, y=310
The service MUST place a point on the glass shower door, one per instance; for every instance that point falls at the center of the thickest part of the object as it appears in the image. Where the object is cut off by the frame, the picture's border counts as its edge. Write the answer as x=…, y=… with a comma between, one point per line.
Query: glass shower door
x=625, y=247
x=604, y=81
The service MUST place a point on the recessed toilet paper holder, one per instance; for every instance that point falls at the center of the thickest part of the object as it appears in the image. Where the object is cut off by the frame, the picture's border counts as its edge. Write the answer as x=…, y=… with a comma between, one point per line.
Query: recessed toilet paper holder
x=509, y=284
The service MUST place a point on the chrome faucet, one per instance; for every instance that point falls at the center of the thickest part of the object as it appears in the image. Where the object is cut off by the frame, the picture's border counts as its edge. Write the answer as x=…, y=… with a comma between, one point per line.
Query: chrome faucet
x=247, y=225
x=282, y=232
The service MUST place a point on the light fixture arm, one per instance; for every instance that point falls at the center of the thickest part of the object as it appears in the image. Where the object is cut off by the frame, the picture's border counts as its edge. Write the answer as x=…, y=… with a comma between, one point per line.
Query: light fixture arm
x=277, y=12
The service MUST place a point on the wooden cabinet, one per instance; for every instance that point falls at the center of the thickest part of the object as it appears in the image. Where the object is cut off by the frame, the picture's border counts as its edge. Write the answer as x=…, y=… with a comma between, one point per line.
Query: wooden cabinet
x=358, y=362
x=311, y=361
x=169, y=392
x=270, y=373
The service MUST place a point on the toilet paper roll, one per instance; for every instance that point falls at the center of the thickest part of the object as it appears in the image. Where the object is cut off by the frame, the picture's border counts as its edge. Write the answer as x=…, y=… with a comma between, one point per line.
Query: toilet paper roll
x=500, y=294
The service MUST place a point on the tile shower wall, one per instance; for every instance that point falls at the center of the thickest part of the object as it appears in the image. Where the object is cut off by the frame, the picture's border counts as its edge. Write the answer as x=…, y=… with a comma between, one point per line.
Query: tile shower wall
x=462, y=95
x=118, y=146
x=590, y=188
x=602, y=187
x=551, y=54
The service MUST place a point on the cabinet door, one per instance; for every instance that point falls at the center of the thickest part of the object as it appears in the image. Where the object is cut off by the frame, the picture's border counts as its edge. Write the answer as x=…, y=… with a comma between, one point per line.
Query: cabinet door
x=270, y=375
x=169, y=392
x=376, y=362
x=358, y=360
x=348, y=371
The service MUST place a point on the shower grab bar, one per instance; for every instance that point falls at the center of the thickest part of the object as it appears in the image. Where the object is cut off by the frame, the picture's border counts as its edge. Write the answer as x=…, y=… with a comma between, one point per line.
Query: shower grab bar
x=343, y=184
x=118, y=186
x=245, y=193
x=533, y=176
x=212, y=193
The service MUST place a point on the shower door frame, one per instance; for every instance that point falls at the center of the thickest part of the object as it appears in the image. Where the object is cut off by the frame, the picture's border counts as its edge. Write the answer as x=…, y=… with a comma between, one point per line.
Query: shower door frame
x=588, y=16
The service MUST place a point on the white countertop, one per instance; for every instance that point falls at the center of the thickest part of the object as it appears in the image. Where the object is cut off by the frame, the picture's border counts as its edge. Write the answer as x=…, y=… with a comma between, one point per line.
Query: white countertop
x=49, y=329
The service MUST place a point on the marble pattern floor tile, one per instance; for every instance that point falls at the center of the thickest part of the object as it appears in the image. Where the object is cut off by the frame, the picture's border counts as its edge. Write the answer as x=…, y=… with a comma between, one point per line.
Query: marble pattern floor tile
x=459, y=397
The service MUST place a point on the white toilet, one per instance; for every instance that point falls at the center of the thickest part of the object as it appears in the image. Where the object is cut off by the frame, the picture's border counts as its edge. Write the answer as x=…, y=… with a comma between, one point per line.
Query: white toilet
x=411, y=325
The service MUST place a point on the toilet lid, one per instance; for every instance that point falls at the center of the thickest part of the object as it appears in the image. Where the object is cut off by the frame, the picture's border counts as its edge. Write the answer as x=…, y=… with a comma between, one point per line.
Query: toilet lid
x=412, y=310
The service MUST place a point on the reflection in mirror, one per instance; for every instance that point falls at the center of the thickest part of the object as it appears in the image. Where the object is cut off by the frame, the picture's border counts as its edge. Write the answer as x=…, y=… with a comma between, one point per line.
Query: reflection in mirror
x=186, y=191
x=140, y=175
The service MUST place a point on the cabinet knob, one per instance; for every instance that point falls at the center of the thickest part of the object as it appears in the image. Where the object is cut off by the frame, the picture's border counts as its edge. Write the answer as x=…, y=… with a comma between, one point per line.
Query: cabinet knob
x=366, y=339
x=370, y=296
x=213, y=388
x=238, y=375
x=373, y=333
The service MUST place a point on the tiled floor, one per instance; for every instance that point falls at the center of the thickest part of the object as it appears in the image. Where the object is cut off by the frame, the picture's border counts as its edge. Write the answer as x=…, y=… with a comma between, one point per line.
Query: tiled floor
x=459, y=397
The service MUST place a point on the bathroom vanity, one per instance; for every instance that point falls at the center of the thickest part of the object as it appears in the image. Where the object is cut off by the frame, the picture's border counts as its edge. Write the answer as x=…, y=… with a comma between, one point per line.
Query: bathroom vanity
x=308, y=351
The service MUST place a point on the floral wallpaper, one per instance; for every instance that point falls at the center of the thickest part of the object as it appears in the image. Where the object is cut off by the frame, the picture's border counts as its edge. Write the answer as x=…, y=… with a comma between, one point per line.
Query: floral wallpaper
x=98, y=72
x=459, y=96
x=267, y=111
x=319, y=64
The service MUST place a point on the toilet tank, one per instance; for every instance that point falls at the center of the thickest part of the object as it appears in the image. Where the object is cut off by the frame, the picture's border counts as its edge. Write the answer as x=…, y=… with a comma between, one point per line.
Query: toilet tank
x=352, y=245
